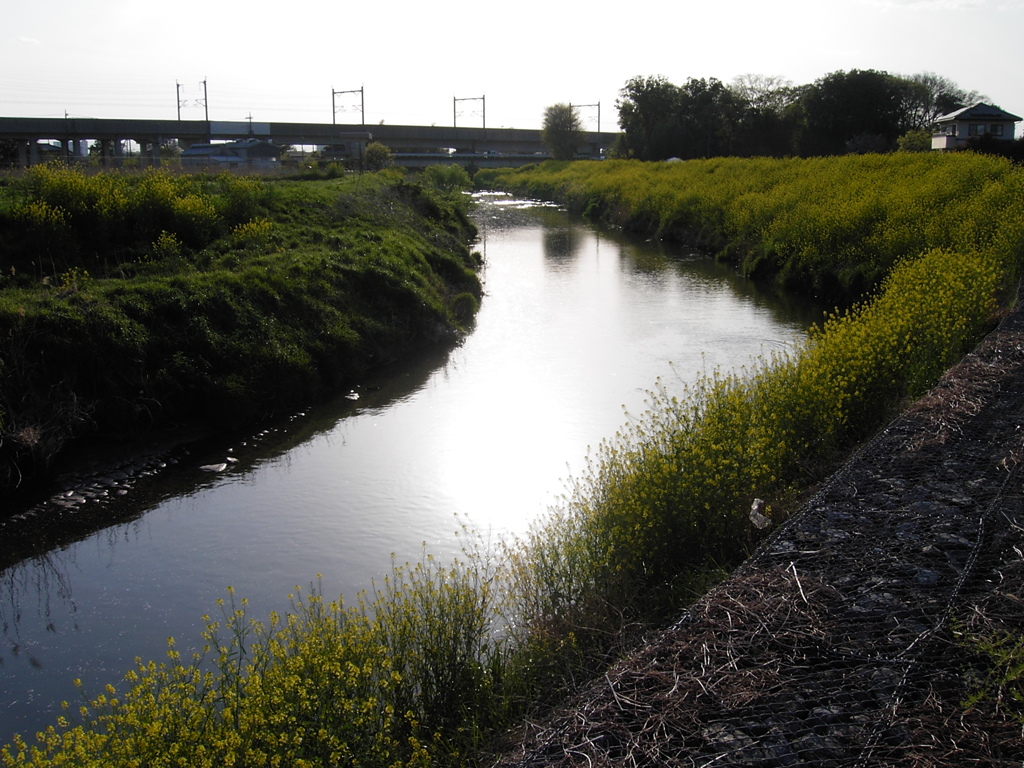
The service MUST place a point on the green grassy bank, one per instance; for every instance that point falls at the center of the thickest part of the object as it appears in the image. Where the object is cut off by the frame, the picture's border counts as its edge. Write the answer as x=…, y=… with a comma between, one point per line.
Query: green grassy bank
x=133, y=301
x=427, y=670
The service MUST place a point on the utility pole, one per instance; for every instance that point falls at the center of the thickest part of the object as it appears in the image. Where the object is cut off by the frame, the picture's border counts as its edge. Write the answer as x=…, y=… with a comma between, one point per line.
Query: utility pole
x=177, y=91
x=206, y=110
x=362, y=105
x=455, y=109
x=598, y=105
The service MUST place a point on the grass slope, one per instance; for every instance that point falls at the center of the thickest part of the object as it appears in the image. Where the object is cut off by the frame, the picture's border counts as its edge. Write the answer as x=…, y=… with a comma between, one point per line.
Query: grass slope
x=134, y=301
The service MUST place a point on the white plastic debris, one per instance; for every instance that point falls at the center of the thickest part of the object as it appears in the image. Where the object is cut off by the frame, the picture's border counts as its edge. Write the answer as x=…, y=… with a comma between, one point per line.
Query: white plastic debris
x=756, y=515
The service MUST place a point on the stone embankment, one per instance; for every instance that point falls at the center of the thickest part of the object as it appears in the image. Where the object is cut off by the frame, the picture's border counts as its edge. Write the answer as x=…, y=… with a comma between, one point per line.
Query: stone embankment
x=844, y=641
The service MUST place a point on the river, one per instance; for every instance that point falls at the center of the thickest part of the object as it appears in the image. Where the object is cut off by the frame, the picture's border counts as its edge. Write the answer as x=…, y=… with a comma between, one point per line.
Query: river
x=576, y=325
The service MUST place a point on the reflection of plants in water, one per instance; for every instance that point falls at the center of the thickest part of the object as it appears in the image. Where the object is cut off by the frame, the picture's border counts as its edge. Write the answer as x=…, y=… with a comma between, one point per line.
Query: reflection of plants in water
x=562, y=244
x=33, y=588
x=37, y=591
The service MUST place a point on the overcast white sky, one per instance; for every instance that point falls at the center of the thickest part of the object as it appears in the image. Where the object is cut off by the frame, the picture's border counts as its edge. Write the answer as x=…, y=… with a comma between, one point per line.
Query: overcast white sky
x=276, y=62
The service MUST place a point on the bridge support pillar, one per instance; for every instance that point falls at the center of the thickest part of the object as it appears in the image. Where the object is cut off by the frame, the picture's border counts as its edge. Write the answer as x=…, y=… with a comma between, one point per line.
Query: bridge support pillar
x=149, y=152
x=111, y=152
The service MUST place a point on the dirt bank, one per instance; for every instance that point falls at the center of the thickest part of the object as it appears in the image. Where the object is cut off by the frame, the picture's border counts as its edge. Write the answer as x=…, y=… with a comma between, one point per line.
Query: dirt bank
x=840, y=643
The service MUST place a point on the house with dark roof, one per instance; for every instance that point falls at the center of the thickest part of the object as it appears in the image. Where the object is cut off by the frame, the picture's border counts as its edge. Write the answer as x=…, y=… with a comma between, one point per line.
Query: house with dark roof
x=953, y=131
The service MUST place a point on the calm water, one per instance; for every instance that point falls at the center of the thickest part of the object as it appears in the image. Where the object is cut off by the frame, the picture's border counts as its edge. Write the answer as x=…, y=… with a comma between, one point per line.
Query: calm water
x=575, y=327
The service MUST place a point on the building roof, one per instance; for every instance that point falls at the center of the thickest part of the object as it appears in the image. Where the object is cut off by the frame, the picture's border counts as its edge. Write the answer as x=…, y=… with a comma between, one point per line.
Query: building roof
x=244, y=150
x=979, y=111
x=238, y=148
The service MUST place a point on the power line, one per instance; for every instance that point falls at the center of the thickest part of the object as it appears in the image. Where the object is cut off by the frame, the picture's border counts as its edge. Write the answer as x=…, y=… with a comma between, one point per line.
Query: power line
x=455, y=109
x=598, y=105
x=362, y=105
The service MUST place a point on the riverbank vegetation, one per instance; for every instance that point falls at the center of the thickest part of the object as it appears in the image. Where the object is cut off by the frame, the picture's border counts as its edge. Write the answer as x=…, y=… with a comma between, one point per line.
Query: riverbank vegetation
x=829, y=227
x=137, y=300
x=429, y=669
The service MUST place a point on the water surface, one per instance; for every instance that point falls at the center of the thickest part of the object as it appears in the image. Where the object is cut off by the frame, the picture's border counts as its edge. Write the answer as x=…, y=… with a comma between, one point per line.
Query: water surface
x=576, y=326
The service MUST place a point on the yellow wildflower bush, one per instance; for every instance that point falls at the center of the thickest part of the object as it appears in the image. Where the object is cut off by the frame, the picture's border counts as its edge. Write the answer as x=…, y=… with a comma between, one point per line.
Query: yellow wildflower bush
x=112, y=217
x=48, y=224
x=253, y=233
x=392, y=683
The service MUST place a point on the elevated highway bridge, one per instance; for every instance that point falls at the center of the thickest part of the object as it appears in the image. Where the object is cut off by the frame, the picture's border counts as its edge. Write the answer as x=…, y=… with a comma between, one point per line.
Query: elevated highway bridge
x=412, y=145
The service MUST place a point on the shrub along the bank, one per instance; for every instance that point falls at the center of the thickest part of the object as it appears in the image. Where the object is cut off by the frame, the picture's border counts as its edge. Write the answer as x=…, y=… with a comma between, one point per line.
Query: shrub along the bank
x=131, y=301
x=447, y=655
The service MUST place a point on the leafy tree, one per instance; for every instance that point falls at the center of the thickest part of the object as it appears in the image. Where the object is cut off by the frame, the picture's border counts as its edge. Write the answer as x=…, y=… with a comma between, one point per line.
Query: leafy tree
x=770, y=133
x=647, y=106
x=708, y=116
x=449, y=179
x=856, y=110
x=764, y=93
x=917, y=140
x=942, y=96
x=377, y=156
x=661, y=120
x=770, y=117
x=990, y=145
x=170, y=148
x=562, y=131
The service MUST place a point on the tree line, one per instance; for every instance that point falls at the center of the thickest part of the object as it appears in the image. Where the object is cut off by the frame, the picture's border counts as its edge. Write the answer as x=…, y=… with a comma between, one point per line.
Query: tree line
x=758, y=115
